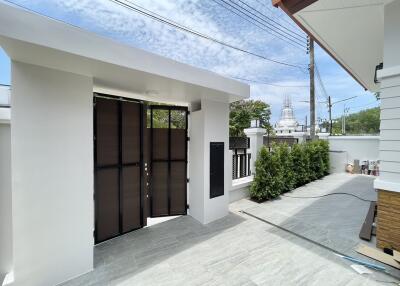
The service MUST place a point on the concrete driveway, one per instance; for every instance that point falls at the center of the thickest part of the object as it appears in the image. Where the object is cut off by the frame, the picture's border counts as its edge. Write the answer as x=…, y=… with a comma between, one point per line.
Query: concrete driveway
x=242, y=250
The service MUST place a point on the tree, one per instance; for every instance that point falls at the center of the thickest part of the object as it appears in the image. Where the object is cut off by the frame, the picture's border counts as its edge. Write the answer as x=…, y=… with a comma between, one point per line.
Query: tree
x=243, y=111
x=363, y=122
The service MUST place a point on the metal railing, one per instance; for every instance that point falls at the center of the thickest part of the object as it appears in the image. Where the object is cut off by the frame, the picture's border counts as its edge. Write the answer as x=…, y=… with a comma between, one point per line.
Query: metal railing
x=4, y=96
x=239, y=143
x=241, y=165
x=269, y=140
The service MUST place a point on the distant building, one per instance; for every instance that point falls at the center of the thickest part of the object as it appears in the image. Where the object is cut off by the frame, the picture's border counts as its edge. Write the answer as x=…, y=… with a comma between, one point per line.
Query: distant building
x=288, y=124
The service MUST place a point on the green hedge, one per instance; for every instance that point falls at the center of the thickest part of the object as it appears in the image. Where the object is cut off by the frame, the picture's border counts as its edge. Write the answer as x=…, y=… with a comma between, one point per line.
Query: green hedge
x=284, y=168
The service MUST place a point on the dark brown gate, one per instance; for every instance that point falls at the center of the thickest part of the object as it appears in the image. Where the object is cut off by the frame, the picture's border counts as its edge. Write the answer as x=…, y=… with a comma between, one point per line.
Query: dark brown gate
x=118, y=141
x=168, y=160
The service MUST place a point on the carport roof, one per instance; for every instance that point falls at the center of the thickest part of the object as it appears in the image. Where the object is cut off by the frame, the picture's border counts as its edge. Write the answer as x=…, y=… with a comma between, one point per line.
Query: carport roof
x=350, y=31
x=35, y=39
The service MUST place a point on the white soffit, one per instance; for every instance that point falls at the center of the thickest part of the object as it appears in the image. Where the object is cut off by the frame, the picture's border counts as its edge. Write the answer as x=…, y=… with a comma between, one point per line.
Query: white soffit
x=352, y=31
x=35, y=39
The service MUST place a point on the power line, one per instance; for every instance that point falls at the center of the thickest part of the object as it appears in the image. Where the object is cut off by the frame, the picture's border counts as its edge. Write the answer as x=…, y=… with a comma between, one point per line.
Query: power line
x=263, y=27
x=276, y=16
x=267, y=83
x=266, y=24
x=301, y=37
x=164, y=20
x=325, y=94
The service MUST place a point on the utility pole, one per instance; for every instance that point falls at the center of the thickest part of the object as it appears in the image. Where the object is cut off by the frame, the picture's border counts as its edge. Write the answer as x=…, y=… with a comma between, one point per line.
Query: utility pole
x=305, y=125
x=345, y=110
x=330, y=114
x=312, y=89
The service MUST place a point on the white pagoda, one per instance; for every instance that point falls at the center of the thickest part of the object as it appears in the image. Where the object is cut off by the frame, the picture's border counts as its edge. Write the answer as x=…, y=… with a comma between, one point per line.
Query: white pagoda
x=287, y=124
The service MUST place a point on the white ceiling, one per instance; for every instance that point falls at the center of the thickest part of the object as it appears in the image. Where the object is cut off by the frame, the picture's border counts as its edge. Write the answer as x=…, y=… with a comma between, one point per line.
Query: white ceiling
x=352, y=31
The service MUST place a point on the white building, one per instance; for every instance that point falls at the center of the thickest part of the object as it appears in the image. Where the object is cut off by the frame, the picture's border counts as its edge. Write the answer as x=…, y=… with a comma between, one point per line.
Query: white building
x=361, y=36
x=84, y=166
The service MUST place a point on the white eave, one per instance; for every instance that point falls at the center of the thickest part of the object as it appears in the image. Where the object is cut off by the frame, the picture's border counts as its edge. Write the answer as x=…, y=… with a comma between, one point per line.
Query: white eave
x=35, y=39
x=351, y=31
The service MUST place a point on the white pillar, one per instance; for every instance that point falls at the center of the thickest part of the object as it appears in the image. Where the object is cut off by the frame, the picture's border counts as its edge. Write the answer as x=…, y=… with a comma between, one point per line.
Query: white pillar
x=5, y=197
x=52, y=174
x=256, y=142
x=209, y=124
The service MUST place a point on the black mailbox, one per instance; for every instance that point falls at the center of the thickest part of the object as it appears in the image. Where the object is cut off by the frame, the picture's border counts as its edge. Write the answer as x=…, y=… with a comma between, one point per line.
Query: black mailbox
x=216, y=169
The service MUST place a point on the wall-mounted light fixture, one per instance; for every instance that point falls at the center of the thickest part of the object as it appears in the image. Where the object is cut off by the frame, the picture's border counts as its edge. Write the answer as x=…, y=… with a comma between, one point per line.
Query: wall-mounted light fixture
x=378, y=67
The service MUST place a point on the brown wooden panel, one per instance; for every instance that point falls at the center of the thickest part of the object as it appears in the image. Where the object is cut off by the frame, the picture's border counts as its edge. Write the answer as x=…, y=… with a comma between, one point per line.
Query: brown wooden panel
x=160, y=143
x=366, y=229
x=107, y=131
x=388, y=220
x=159, y=189
x=178, y=146
x=130, y=198
x=107, y=204
x=178, y=188
x=130, y=132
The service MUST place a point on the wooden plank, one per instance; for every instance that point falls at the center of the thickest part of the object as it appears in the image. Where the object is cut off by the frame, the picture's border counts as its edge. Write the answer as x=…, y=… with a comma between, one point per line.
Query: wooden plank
x=366, y=229
x=377, y=255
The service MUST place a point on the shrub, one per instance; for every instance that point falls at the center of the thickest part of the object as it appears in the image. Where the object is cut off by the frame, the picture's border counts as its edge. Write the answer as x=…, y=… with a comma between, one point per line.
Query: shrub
x=267, y=180
x=286, y=164
x=300, y=165
x=283, y=168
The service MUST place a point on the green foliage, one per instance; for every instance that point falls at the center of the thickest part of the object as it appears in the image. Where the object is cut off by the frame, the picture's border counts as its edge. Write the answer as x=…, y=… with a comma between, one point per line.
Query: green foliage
x=161, y=118
x=286, y=165
x=301, y=165
x=243, y=111
x=283, y=168
x=363, y=122
x=268, y=173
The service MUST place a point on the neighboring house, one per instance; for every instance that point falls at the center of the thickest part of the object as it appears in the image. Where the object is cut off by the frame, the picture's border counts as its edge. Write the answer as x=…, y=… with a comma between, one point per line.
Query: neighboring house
x=85, y=165
x=361, y=35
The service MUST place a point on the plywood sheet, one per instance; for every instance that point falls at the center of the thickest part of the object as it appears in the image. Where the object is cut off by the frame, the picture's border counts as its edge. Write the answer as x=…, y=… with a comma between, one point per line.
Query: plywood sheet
x=378, y=255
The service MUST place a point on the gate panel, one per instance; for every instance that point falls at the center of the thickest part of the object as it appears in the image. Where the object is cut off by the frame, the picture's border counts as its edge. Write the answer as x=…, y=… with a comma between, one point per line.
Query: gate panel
x=107, y=197
x=118, y=166
x=178, y=146
x=159, y=190
x=131, y=206
x=168, y=160
x=160, y=146
x=131, y=137
x=178, y=188
x=107, y=132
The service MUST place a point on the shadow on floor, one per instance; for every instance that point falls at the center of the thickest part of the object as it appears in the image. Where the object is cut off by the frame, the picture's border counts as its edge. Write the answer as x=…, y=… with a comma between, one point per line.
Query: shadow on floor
x=334, y=221
x=130, y=254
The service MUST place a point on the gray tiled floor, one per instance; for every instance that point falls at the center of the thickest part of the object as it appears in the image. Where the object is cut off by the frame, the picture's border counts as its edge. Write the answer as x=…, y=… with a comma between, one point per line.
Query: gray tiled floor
x=240, y=250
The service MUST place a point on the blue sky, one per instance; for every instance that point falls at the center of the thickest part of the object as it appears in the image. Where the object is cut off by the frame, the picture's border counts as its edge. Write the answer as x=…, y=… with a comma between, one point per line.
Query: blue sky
x=210, y=17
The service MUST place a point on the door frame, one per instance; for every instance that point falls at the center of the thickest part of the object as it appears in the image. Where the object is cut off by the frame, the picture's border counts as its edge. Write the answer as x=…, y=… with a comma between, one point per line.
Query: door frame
x=120, y=165
x=169, y=160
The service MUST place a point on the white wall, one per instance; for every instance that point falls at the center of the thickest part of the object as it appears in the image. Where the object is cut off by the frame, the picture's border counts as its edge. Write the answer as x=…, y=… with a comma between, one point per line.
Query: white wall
x=348, y=148
x=210, y=124
x=52, y=174
x=196, y=165
x=5, y=200
x=390, y=102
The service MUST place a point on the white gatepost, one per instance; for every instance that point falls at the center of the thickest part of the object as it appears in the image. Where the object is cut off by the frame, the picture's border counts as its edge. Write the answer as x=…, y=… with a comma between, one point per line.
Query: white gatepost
x=256, y=136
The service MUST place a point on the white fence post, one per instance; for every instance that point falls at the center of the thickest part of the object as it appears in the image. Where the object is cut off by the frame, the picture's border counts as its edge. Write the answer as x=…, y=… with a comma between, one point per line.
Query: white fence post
x=256, y=142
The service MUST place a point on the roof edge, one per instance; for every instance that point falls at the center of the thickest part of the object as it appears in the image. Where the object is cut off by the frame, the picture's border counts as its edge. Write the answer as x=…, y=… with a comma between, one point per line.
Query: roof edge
x=290, y=7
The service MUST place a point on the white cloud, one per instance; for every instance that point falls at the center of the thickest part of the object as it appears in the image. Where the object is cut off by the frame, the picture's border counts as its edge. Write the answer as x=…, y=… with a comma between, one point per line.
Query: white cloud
x=122, y=24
